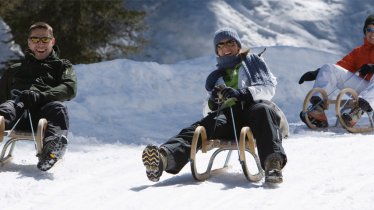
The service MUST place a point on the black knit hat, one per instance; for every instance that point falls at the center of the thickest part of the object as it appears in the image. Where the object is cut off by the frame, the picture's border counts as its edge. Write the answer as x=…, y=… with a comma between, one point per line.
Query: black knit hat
x=369, y=20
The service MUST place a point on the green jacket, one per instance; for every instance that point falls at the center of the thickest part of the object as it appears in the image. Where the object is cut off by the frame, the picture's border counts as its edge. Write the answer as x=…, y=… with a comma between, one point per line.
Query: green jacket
x=53, y=78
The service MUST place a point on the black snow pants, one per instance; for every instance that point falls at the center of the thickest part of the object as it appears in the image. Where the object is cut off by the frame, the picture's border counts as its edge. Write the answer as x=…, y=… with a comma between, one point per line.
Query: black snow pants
x=54, y=112
x=260, y=117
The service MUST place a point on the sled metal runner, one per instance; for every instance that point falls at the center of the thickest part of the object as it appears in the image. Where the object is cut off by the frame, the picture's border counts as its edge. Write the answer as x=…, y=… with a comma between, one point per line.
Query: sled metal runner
x=12, y=136
x=341, y=104
x=246, y=144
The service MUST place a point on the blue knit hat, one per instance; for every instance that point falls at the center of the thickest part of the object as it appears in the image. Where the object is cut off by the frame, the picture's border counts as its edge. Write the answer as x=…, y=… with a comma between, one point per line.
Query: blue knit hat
x=226, y=33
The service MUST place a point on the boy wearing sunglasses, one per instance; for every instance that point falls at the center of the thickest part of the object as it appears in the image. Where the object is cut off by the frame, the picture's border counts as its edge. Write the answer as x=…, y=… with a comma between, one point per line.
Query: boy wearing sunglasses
x=245, y=79
x=40, y=84
x=355, y=71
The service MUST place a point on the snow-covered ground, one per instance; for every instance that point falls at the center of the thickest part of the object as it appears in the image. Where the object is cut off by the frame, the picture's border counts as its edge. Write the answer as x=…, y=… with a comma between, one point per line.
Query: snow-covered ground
x=123, y=104
x=325, y=171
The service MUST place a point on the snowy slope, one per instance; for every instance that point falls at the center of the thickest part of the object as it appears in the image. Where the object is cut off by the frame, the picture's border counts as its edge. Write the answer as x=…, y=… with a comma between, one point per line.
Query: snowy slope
x=180, y=29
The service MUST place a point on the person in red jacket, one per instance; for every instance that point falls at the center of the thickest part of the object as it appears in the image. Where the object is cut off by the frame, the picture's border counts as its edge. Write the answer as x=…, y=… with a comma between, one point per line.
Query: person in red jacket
x=355, y=71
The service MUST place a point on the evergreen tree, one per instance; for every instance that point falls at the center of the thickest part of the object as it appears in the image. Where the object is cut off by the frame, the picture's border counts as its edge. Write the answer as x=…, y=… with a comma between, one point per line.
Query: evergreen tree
x=85, y=30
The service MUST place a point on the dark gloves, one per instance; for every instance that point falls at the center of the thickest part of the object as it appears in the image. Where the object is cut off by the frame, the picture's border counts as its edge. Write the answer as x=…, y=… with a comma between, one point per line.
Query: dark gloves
x=30, y=98
x=364, y=105
x=366, y=69
x=213, y=105
x=309, y=76
x=241, y=94
x=220, y=94
x=230, y=92
x=216, y=91
x=215, y=100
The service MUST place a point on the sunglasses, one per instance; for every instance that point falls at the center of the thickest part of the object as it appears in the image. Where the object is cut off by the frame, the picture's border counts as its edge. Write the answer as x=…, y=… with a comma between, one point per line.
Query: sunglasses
x=229, y=43
x=44, y=40
x=369, y=30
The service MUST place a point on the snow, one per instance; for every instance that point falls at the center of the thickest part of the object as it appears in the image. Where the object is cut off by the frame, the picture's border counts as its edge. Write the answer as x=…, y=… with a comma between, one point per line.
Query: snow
x=181, y=30
x=124, y=104
x=8, y=49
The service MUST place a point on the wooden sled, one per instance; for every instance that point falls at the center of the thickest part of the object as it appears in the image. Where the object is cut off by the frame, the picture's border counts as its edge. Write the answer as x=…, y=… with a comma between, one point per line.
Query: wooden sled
x=246, y=143
x=12, y=136
x=341, y=104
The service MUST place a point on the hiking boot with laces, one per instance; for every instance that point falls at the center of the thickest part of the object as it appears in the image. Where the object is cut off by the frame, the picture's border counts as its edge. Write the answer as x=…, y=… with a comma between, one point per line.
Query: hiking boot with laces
x=273, y=169
x=53, y=150
x=316, y=115
x=355, y=114
x=154, y=162
x=352, y=117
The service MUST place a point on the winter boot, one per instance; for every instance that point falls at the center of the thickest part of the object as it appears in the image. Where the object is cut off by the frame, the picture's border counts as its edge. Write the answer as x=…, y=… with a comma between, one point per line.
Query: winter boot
x=53, y=150
x=316, y=114
x=273, y=168
x=154, y=161
x=352, y=117
x=355, y=114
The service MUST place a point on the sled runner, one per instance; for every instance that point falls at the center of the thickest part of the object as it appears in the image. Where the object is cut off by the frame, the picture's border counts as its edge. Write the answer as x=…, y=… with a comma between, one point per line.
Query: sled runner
x=246, y=144
x=12, y=136
x=345, y=101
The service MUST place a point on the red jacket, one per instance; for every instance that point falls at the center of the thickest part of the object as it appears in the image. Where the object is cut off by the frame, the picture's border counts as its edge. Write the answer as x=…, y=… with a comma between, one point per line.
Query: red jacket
x=359, y=56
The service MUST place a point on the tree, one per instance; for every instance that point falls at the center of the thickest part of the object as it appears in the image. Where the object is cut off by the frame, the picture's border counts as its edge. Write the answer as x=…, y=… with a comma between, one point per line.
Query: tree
x=86, y=30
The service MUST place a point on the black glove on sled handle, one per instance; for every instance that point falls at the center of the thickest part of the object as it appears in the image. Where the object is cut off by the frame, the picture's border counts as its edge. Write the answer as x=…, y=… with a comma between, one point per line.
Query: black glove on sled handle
x=309, y=76
x=366, y=69
x=242, y=94
x=30, y=98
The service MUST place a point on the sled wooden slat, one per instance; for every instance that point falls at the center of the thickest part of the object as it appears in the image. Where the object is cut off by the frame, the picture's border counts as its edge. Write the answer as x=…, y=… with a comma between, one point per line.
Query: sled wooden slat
x=351, y=104
x=2, y=128
x=340, y=103
x=246, y=144
x=13, y=136
x=326, y=103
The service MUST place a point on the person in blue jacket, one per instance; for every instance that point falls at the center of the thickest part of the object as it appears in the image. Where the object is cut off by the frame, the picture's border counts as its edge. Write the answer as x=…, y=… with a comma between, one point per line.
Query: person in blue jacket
x=246, y=78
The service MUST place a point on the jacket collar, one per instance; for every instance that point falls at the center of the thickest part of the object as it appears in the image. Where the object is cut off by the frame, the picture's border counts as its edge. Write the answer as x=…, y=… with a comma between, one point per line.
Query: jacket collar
x=368, y=45
x=29, y=56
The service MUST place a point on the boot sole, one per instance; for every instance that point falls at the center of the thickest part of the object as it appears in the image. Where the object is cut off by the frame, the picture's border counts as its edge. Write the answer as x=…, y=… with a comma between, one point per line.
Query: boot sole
x=151, y=160
x=273, y=169
x=56, y=154
x=274, y=180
